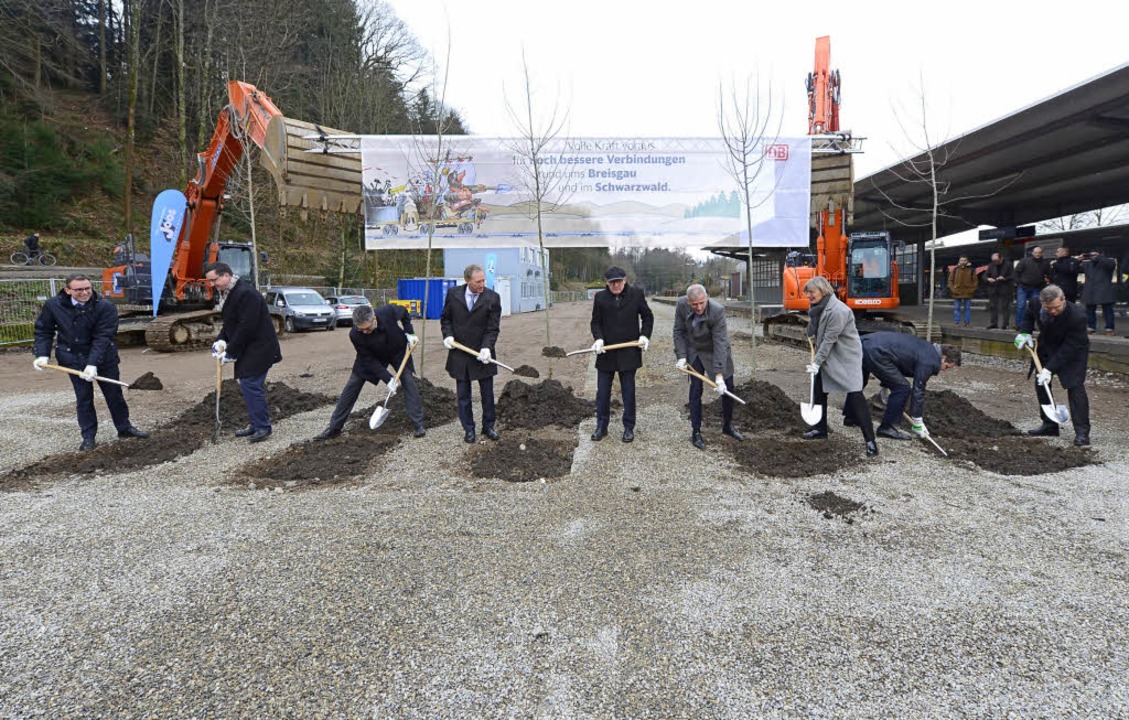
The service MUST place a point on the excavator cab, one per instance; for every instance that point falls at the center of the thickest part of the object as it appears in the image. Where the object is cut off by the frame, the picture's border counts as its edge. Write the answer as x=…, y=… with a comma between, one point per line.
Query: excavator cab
x=872, y=273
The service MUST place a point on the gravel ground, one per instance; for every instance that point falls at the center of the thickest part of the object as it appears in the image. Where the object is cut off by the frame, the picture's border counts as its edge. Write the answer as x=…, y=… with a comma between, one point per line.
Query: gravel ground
x=655, y=581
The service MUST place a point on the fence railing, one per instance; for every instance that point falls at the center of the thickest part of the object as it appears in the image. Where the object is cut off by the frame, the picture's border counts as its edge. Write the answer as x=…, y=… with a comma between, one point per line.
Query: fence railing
x=20, y=303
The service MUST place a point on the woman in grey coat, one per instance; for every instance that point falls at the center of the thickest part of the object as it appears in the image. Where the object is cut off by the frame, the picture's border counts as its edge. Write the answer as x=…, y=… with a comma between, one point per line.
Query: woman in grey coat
x=837, y=365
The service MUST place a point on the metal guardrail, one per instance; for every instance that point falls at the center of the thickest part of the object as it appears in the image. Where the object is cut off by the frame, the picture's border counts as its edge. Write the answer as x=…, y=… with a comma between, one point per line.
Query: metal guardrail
x=20, y=303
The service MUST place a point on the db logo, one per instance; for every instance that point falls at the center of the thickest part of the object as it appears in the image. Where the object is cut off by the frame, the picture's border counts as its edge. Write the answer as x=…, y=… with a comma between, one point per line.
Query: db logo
x=777, y=152
x=868, y=302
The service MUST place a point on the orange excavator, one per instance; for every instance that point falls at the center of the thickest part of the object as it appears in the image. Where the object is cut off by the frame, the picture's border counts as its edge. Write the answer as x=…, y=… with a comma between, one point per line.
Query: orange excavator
x=186, y=316
x=860, y=266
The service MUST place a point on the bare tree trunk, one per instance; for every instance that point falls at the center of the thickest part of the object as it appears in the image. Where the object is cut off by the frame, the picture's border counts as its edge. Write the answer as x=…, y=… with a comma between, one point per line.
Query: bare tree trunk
x=131, y=133
x=181, y=98
x=101, y=47
x=156, y=59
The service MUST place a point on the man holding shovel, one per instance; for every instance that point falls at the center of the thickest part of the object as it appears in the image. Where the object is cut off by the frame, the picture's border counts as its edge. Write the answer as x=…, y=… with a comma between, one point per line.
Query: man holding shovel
x=701, y=341
x=82, y=327
x=472, y=317
x=619, y=315
x=1064, y=350
x=381, y=338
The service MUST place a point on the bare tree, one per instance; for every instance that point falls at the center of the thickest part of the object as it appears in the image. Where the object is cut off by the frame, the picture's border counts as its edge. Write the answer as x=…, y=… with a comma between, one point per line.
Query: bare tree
x=745, y=122
x=131, y=131
x=1093, y=218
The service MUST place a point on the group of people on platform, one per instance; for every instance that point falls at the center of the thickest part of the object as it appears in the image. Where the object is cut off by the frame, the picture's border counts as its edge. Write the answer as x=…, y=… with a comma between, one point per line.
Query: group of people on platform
x=82, y=326
x=1024, y=280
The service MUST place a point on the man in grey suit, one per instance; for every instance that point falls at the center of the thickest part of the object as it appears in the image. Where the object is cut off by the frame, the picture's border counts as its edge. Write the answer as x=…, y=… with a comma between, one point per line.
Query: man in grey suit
x=701, y=341
x=472, y=316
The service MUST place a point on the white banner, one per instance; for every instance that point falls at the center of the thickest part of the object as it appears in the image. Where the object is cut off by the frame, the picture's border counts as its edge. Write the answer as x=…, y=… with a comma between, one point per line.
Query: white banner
x=618, y=192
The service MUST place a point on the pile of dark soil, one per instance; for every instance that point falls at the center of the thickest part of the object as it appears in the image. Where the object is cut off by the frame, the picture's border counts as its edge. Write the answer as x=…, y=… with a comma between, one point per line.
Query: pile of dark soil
x=949, y=415
x=527, y=371
x=182, y=436
x=768, y=409
x=519, y=458
x=1015, y=455
x=439, y=408
x=832, y=506
x=547, y=403
x=148, y=381
x=795, y=458
x=553, y=351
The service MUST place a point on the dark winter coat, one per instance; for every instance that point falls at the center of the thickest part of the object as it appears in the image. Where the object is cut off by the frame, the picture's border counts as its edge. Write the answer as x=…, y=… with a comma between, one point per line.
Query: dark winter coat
x=82, y=336
x=1002, y=274
x=1064, y=346
x=1032, y=273
x=248, y=330
x=1098, y=289
x=909, y=355
x=1064, y=273
x=476, y=328
x=384, y=346
x=708, y=340
x=619, y=319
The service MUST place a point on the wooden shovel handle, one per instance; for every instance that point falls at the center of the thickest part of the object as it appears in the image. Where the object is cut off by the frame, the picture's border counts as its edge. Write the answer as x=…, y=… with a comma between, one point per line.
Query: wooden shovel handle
x=404, y=362
x=694, y=373
x=464, y=348
x=71, y=371
x=617, y=346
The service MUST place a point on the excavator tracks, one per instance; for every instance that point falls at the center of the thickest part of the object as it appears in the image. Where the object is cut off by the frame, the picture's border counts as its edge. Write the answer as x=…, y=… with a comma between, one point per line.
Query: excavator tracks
x=183, y=331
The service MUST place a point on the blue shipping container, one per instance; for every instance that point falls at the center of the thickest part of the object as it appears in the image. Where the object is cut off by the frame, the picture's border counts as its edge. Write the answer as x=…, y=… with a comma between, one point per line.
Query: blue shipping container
x=412, y=289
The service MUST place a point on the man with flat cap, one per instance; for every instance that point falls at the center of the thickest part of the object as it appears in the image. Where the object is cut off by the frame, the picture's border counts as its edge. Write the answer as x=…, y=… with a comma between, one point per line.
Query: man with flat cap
x=619, y=315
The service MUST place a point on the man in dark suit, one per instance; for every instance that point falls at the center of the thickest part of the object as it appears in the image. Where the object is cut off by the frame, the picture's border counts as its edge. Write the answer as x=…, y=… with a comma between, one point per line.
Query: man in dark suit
x=701, y=340
x=619, y=314
x=381, y=339
x=892, y=357
x=472, y=316
x=248, y=339
x=1063, y=350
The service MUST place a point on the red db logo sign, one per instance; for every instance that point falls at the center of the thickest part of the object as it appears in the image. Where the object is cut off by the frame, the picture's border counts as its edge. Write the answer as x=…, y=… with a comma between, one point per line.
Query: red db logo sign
x=777, y=152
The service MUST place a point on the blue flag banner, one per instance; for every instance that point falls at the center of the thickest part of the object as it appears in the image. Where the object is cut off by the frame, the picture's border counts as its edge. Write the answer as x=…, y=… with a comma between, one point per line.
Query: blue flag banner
x=164, y=229
x=490, y=266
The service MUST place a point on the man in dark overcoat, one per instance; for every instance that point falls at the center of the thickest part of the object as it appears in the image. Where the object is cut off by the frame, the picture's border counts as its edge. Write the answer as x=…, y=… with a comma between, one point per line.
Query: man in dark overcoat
x=701, y=341
x=82, y=326
x=619, y=314
x=1063, y=350
x=998, y=280
x=472, y=316
x=1099, y=290
x=248, y=339
x=892, y=357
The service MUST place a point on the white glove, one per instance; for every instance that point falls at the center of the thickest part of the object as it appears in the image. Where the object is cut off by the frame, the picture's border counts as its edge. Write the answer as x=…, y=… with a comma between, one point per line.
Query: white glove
x=1044, y=377
x=720, y=382
x=40, y=362
x=89, y=372
x=918, y=427
x=1023, y=339
x=393, y=386
x=449, y=343
x=484, y=355
x=644, y=342
x=227, y=359
x=598, y=347
x=413, y=340
x=812, y=369
x=218, y=348
x=681, y=364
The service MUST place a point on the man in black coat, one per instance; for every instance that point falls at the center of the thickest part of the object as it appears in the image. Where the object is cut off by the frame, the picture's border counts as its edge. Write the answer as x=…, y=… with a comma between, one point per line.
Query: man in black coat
x=1001, y=290
x=472, y=316
x=31, y=242
x=381, y=338
x=619, y=314
x=892, y=357
x=82, y=327
x=247, y=338
x=1063, y=350
x=1032, y=274
x=1064, y=273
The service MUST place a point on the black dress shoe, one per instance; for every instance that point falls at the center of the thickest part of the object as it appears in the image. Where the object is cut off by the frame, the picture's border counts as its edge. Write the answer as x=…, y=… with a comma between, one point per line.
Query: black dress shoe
x=696, y=439
x=245, y=432
x=87, y=444
x=628, y=435
x=889, y=431
x=1044, y=430
x=599, y=433
x=815, y=434
x=469, y=436
x=419, y=431
x=131, y=431
x=489, y=432
x=327, y=434
x=733, y=433
x=1081, y=439
x=871, y=448
x=259, y=436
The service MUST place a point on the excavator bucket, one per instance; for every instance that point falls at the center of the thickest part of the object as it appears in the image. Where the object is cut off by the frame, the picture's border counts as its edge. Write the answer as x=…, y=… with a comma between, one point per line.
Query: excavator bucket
x=323, y=181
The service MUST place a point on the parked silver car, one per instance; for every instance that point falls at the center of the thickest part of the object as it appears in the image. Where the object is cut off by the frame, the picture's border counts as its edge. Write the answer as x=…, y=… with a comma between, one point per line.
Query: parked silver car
x=343, y=306
x=300, y=308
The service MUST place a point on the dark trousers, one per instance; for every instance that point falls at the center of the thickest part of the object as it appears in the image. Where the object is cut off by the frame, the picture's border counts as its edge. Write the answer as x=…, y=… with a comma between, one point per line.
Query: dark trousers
x=892, y=379
x=855, y=408
x=1024, y=295
x=84, y=402
x=486, y=392
x=696, y=386
x=604, y=397
x=255, y=398
x=352, y=391
x=1078, y=402
x=999, y=308
x=1092, y=316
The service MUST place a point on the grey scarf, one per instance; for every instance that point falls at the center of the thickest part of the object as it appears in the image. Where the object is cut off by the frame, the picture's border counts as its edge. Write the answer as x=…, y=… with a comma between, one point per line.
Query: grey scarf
x=815, y=313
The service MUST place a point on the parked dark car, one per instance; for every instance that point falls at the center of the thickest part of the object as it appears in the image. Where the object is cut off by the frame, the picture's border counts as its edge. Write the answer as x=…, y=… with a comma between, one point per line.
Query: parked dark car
x=343, y=306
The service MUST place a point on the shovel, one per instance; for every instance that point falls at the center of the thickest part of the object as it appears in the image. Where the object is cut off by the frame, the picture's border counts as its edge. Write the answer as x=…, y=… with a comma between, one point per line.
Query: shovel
x=382, y=412
x=1058, y=413
x=811, y=412
x=617, y=346
x=99, y=378
x=464, y=348
x=927, y=437
x=694, y=373
x=219, y=386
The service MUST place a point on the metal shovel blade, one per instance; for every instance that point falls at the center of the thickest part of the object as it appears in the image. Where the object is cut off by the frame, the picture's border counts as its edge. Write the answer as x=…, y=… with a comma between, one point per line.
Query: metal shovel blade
x=1060, y=413
x=810, y=411
x=378, y=417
